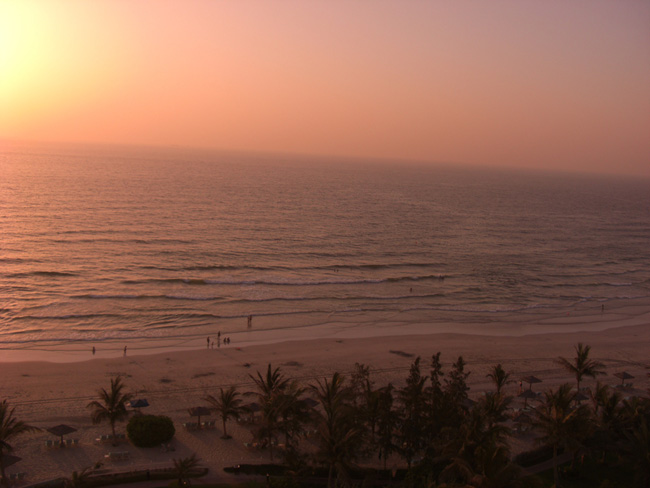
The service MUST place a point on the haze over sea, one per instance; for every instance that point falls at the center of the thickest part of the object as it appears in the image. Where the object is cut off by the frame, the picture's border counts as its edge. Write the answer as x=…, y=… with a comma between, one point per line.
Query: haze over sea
x=107, y=246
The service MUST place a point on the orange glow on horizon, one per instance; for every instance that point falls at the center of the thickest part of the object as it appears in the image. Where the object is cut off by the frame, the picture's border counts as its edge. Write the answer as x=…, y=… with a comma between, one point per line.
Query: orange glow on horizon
x=551, y=85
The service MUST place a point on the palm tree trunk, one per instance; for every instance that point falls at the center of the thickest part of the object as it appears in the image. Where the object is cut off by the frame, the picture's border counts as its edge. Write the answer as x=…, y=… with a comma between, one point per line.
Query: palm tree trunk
x=556, y=477
x=114, y=435
x=223, y=419
x=3, y=478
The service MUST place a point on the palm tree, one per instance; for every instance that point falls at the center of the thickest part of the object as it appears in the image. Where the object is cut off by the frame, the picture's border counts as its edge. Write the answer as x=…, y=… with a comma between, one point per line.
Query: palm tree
x=294, y=413
x=494, y=406
x=184, y=467
x=608, y=413
x=271, y=388
x=491, y=469
x=112, y=404
x=228, y=404
x=413, y=413
x=582, y=365
x=636, y=448
x=386, y=423
x=499, y=377
x=10, y=428
x=561, y=424
x=340, y=438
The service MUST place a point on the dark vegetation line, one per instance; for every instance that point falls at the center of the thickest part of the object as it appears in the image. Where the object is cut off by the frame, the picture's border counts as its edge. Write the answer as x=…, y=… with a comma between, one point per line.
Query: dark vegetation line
x=441, y=436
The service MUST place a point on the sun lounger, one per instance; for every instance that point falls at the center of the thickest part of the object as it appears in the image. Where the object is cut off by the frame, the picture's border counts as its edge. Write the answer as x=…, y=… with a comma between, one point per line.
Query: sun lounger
x=117, y=456
x=16, y=477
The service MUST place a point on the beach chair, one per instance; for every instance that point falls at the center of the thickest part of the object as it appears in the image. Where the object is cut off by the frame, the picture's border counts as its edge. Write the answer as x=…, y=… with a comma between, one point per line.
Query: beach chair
x=49, y=443
x=117, y=456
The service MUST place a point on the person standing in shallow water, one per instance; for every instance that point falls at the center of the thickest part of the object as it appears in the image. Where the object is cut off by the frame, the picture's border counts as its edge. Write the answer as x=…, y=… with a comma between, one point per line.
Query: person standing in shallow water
x=208, y=339
x=250, y=321
x=125, y=350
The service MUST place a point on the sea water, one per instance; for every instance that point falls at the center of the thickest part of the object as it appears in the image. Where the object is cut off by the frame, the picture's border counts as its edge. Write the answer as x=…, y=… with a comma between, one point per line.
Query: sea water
x=110, y=244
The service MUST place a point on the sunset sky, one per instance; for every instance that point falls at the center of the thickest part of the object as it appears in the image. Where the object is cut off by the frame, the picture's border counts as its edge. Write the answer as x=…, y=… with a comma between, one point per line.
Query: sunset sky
x=554, y=84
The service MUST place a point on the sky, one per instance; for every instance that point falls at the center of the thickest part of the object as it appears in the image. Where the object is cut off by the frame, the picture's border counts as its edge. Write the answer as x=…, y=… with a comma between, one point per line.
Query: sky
x=556, y=84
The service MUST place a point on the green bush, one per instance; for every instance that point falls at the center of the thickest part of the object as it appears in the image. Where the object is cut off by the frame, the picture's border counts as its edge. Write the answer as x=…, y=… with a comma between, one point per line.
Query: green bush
x=150, y=430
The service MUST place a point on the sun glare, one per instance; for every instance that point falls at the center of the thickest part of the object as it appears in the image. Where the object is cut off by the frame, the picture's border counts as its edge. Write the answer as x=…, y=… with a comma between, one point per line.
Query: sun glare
x=23, y=58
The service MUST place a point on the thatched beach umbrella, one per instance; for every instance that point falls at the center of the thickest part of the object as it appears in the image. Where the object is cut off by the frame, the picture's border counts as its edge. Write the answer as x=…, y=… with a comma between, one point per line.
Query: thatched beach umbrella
x=624, y=375
x=61, y=430
x=10, y=460
x=199, y=412
x=530, y=380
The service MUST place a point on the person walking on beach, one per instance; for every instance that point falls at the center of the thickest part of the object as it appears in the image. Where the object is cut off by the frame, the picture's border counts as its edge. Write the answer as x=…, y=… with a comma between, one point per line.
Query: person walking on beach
x=124, y=350
x=208, y=342
x=93, y=350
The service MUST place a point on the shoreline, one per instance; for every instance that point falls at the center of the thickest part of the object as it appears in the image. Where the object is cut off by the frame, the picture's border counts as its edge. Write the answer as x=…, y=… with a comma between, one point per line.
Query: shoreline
x=585, y=320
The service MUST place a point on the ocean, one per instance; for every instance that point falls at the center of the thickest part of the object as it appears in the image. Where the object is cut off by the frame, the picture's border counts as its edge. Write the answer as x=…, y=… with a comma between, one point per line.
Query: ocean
x=101, y=245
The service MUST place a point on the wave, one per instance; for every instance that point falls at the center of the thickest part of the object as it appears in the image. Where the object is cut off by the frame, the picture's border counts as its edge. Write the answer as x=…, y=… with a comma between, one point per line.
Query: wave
x=116, y=296
x=13, y=260
x=331, y=267
x=338, y=299
x=592, y=284
x=257, y=300
x=25, y=274
x=235, y=282
x=106, y=240
x=66, y=316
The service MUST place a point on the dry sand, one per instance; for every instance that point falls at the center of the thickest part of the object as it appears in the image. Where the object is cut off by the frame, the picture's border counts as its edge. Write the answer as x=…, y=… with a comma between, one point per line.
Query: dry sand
x=51, y=393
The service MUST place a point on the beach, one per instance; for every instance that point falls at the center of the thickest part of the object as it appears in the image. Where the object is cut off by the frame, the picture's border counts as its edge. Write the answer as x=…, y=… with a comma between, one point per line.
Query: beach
x=51, y=393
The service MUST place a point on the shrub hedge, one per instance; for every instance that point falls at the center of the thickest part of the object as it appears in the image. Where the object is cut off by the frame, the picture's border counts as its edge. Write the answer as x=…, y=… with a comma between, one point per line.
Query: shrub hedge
x=150, y=430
